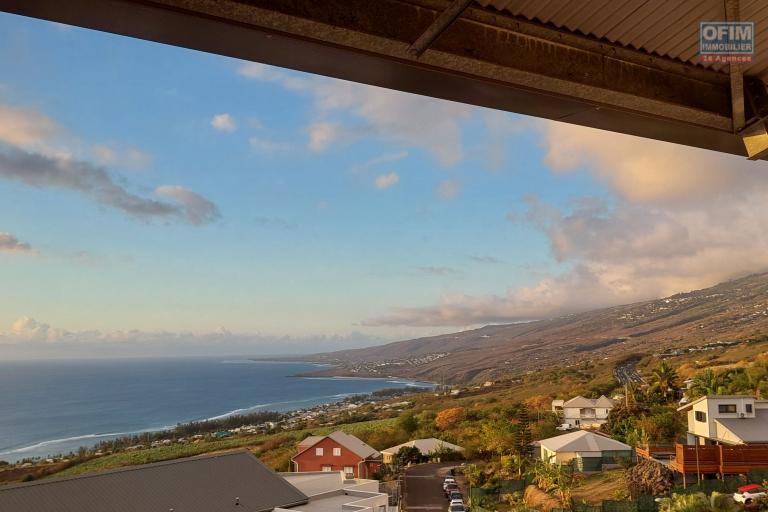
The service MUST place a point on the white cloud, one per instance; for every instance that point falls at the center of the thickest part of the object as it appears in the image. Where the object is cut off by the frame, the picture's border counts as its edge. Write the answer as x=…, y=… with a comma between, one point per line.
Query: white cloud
x=223, y=123
x=681, y=219
x=322, y=135
x=386, y=180
x=11, y=244
x=448, y=189
x=408, y=120
x=25, y=127
x=132, y=158
x=380, y=159
x=31, y=338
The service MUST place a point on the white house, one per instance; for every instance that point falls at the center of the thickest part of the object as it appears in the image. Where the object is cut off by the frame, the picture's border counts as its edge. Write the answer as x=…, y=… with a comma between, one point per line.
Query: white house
x=334, y=492
x=727, y=419
x=587, y=450
x=427, y=447
x=580, y=412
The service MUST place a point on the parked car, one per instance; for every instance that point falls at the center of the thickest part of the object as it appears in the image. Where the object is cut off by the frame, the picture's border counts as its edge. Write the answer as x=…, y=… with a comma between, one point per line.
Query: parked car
x=748, y=493
x=448, y=480
x=456, y=495
x=456, y=502
x=450, y=488
x=456, y=507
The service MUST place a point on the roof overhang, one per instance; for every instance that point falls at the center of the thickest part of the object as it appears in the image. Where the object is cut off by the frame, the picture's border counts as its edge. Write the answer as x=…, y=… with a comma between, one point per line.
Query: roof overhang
x=482, y=56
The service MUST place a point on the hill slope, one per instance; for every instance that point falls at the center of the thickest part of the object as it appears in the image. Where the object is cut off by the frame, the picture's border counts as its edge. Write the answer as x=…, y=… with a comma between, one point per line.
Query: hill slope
x=727, y=311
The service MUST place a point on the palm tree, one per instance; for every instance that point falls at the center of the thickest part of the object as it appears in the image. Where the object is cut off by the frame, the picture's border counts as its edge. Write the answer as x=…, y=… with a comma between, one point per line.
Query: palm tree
x=706, y=383
x=664, y=380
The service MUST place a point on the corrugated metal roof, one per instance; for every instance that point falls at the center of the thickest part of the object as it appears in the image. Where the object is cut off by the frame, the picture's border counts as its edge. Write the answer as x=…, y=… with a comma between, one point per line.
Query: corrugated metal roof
x=199, y=484
x=583, y=441
x=660, y=27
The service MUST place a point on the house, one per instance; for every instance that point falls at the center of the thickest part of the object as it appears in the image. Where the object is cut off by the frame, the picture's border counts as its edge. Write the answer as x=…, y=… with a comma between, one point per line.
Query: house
x=334, y=492
x=586, y=450
x=427, y=447
x=727, y=419
x=222, y=481
x=580, y=412
x=337, y=452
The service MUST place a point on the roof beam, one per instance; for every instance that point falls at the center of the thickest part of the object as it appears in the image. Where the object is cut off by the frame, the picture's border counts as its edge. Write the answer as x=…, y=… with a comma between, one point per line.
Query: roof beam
x=446, y=18
x=485, y=58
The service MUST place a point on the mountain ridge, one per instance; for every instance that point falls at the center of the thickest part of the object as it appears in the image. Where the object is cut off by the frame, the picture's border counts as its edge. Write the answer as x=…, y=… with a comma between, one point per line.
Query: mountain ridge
x=730, y=310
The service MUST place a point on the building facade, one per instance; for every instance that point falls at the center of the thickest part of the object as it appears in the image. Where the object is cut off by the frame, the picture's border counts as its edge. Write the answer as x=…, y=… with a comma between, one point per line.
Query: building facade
x=580, y=412
x=727, y=419
x=337, y=452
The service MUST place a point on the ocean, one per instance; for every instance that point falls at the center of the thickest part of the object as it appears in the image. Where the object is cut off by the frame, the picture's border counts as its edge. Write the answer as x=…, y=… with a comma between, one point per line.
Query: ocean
x=52, y=407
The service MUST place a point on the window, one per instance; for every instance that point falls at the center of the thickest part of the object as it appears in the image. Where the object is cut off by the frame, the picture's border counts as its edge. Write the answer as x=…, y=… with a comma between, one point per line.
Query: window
x=701, y=416
x=326, y=468
x=349, y=471
x=337, y=452
x=319, y=452
x=726, y=408
x=748, y=408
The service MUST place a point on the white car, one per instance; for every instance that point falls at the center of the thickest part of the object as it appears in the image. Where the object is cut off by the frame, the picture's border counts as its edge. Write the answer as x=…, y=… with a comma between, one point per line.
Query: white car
x=448, y=480
x=748, y=493
x=456, y=507
x=456, y=502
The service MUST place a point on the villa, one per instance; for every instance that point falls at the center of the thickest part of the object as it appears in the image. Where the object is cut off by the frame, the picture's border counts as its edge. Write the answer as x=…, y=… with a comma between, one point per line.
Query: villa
x=580, y=412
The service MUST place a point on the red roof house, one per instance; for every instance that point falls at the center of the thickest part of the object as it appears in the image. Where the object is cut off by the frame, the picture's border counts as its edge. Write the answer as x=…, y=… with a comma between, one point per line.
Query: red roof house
x=337, y=452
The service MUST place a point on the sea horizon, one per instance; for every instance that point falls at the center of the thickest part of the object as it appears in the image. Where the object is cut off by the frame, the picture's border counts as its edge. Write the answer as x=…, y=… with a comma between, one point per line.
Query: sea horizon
x=57, y=406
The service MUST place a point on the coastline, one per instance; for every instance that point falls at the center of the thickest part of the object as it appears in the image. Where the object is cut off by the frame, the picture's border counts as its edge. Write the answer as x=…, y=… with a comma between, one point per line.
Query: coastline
x=290, y=408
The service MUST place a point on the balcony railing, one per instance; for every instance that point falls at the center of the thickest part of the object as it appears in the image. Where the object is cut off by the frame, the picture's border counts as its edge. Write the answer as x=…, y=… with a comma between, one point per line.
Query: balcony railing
x=710, y=459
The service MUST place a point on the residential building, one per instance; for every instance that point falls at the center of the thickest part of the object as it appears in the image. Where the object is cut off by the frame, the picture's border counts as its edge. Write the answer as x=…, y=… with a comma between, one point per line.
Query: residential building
x=427, y=447
x=580, y=412
x=337, y=452
x=727, y=419
x=223, y=481
x=586, y=450
x=334, y=492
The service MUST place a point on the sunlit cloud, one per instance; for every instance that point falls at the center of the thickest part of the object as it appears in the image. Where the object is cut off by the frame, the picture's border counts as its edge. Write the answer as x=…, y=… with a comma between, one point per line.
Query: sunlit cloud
x=223, y=123
x=386, y=180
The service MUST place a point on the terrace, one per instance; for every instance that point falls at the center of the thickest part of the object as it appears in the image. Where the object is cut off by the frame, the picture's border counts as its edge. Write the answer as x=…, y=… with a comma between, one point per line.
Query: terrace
x=709, y=459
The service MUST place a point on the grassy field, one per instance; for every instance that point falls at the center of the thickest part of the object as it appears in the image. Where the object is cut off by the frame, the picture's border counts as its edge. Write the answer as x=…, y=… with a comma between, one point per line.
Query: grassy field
x=275, y=449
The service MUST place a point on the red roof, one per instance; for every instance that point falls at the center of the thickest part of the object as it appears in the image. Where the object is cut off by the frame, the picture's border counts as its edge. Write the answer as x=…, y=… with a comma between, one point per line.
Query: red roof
x=750, y=487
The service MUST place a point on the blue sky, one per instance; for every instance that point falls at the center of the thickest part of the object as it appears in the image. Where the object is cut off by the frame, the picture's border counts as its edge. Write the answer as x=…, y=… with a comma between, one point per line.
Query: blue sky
x=271, y=203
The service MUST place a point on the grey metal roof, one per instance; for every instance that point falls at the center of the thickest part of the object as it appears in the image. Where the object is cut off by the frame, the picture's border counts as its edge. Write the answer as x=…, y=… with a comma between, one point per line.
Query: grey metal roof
x=669, y=28
x=208, y=483
x=583, y=441
x=749, y=430
x=580, y=401
x=425, y=446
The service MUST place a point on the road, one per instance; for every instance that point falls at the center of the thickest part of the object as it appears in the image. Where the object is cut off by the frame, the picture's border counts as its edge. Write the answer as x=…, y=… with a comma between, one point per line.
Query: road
x=626, y=372
x=424, y=487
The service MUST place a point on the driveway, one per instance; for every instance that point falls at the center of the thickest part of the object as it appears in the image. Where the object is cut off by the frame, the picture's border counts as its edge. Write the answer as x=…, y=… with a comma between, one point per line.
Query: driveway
x=424, y=487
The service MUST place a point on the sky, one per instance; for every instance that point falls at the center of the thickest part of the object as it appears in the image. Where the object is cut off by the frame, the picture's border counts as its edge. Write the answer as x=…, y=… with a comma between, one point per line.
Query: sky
x=156, y=200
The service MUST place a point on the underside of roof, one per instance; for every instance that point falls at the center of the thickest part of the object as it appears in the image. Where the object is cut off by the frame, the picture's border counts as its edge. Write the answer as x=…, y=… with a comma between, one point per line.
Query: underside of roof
x=629, y=66
x=657, y=27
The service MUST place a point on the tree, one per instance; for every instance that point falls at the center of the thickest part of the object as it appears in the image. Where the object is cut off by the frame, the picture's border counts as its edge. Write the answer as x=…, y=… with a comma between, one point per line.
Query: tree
x=706, y=383
x=664, y=380
x=408, y=423
x=406, y=455
x=524, y=435
x=449, y=418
